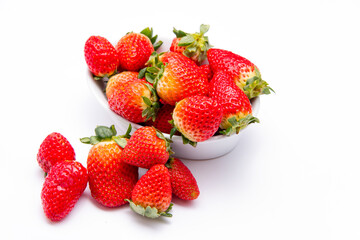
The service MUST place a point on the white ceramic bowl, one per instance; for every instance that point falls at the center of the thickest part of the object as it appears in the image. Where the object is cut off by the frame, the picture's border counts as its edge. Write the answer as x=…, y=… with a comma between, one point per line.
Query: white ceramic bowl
x=214, y=147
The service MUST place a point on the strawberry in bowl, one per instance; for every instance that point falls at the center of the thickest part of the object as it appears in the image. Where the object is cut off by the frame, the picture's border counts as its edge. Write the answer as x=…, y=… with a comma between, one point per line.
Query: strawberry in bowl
x=198, y=101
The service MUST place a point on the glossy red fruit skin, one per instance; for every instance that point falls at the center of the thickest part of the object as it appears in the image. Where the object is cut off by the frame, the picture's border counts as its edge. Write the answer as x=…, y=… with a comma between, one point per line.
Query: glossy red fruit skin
x=145, y=149
x=55, y=148
x=232, y=99
x=134, y=50
x=197, y=117
x=154, y=189
x=238, y=67
x=127, y=100
x=163, y=117
x=119, y=79
x=62, y=188
x=207, y=71
x=182, y=78
x=100, y=56
x=183, y=183
x=175, y=47
x=111, y=181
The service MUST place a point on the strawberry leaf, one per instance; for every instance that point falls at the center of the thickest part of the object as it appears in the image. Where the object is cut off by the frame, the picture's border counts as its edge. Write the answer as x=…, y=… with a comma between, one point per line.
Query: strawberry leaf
x=120, y=141
x=204, y=28
x=142, y=72
x=104, y=132
x=186, y=41
x=179, y=33
x=157, y=45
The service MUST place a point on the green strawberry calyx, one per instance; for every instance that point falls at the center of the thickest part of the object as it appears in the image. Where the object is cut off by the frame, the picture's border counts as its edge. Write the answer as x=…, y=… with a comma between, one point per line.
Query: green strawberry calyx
x=152, y=104
x=185, y=139
x=168, y=141
x=256, y=86
x=103, y=133
x=196, y=44
x=150, y=212
x=149, y=33
x=105, y=78
x=154, y=70
x=239, y=124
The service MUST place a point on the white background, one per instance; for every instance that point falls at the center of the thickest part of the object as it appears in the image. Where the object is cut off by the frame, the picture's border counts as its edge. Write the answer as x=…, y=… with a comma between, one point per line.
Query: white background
x=296, y=175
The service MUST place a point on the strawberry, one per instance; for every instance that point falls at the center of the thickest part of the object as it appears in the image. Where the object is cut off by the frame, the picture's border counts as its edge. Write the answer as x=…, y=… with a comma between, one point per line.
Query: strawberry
x=206, y=69
x=174, y=77
x=193, y=46
x=55, y=148
x=101, y=57
x=183, y=183
x=62, y=188
x=111, y=181
x=164, y=115
x=118, y=79
x=146, y=147
x=152, y=194
x=134, y=49
x=245, y=74
x=135, y=101
x=197, y=118
x=235, y=104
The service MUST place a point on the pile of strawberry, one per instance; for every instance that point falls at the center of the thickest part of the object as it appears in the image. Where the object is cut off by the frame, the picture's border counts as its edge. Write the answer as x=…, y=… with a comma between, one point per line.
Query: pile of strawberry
x=113, y=173
x=171, y=92
x=175, y=91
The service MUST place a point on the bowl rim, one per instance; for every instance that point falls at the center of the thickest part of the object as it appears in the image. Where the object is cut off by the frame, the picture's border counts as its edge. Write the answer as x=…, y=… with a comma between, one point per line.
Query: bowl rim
x=98, y=91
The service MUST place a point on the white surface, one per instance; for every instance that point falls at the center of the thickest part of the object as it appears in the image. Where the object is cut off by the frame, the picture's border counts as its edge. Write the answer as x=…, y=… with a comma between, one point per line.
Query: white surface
x=296, y=176
x=214, y=147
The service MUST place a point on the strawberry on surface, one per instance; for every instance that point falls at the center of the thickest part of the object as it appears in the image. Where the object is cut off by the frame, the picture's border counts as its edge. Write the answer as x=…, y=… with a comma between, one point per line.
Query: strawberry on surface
x=101, y=57
x=119, y=79
x=175, y=77
x=237, y=111
x=245, y=74
x=146, y=147
x=197, y=118
x=62, y=188
x=193, y=46
x=134, y=100
x=55, y=148
x=134, y=49
x=152, y=194
x=111, y=181
x=183, y=183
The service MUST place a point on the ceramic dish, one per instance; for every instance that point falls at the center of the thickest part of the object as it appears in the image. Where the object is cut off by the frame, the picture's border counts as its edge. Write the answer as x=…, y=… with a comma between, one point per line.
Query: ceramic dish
x=214, y=147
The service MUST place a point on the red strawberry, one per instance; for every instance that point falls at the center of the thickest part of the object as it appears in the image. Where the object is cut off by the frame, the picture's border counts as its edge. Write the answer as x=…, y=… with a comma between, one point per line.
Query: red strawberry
x=146, y=147
x=235, y=104
x=197, y=118
x=207, y=71
x=245, y=74
x=134, y=49
x=151, y=196
x=193, y=46
x=62, y=188
x=183, y=183
x=101, y=56
x=111, y=181
x=175, y=77
x=164, y=115
x=134, y=100
x=55, y=148
x=119, y=79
